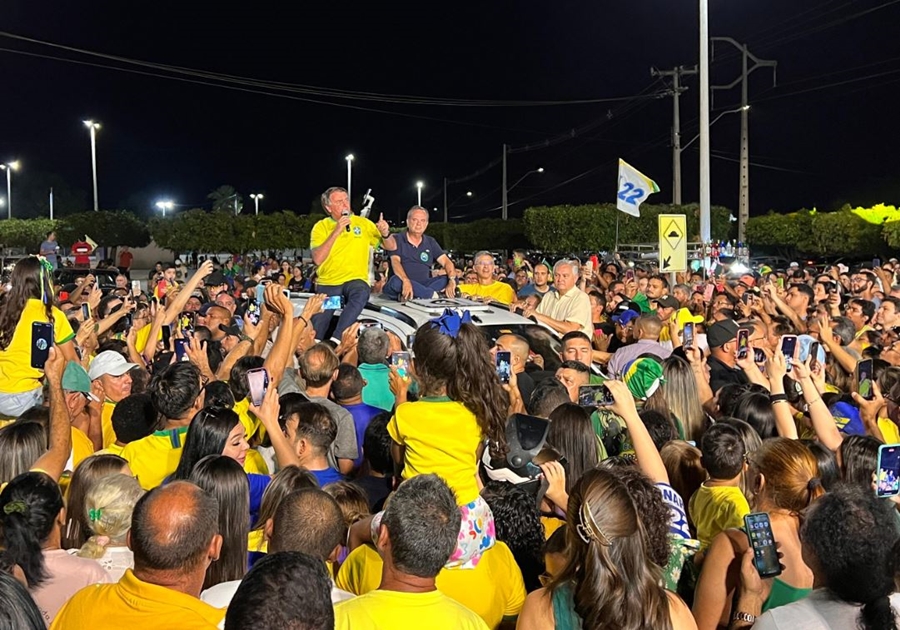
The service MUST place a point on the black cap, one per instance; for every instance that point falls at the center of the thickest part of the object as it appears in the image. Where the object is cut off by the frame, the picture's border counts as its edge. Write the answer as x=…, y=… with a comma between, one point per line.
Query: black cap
x=215, y=279
x=667, y=301
x=721, y=333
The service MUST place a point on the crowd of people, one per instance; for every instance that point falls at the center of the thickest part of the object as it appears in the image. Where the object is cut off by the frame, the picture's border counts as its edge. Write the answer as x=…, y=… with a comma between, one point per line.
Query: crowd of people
x=197, y=452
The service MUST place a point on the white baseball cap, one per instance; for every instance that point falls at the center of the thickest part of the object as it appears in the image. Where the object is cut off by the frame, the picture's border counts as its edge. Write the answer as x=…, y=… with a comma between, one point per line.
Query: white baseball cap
x=109, y=362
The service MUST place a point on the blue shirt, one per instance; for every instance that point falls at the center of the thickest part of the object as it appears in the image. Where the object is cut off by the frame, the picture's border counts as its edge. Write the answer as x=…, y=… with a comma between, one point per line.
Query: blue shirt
x=329, y=475
x=362, y=416
x=377, y=391
x=417, y=261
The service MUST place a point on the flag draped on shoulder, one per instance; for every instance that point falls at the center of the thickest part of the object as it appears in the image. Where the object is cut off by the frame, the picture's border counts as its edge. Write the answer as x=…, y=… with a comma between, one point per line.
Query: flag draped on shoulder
x=634, y=188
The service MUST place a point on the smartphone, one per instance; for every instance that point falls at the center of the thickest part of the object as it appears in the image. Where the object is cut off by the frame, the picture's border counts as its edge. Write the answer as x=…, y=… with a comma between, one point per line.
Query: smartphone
x=503, y=363
x=258, y=383
x=759, y=357
x=180, y=353
x=136, y=287
x=333, y=303
x=41, y=340
x=166, y=332
x=129, y=321
x=887, y=482
x=708, y=293
x=765, y=555
x=814, y=355
x=629, y=274
x=186, y=321
x=364, y=325
x=780, y=283
x=743, y=344
x=161, y=360
x=85, y=311
x=864, y=379
x=260, y=293
x=746, y=297
x=253, y=311
x=400, y=360
x=410, y=340
x=788, y=348
x=688, y=335
x=876, y=262
x=595, y=396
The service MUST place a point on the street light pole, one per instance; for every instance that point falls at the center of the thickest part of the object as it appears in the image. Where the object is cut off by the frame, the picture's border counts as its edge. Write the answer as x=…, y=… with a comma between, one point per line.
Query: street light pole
x=704, y=123
x=505, y=192
x=349, y=159
x=93, y=126
x=9, y=168
x=165, y=205
x=445, y=200
x=256, y=197
x=419, y=186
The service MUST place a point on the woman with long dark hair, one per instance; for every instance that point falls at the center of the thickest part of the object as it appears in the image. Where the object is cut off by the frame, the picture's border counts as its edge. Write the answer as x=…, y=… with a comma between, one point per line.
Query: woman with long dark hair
x=29, y=300
x=572, y=435
x=609, y=578
x=218, y=431
x=224, y=479
x=31, y=516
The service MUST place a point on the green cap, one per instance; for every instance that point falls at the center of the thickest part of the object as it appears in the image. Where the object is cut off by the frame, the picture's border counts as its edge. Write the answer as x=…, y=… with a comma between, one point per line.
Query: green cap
x=76, y=379
x=643, y=377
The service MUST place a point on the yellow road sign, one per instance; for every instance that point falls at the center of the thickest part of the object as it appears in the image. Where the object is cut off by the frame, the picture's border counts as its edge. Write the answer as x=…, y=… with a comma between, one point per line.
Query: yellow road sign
x=672, y=243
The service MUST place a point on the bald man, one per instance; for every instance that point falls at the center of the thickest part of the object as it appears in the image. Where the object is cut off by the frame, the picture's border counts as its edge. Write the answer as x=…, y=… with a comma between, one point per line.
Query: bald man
x=174, y=536
x=214, y=317
x=519, y=350
x=646, y=342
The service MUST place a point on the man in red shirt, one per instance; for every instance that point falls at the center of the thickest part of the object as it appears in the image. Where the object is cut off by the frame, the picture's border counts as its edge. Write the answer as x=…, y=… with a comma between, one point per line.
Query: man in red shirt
x=82, y=250
x=126, y=258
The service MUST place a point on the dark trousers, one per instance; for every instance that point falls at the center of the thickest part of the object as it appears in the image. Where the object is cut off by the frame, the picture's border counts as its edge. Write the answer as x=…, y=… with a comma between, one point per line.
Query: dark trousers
x=356, y=295
x=394, y=287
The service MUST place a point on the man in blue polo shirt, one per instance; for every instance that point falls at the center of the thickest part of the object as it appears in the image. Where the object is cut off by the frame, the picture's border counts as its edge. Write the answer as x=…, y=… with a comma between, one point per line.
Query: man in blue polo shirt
x=411, y=262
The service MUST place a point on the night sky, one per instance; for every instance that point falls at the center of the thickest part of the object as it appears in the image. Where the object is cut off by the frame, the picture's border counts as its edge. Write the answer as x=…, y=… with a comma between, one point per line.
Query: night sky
x=811, y=145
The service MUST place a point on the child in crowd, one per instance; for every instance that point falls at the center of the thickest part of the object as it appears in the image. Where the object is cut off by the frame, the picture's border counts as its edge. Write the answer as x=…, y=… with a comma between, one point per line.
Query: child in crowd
x=719, y=503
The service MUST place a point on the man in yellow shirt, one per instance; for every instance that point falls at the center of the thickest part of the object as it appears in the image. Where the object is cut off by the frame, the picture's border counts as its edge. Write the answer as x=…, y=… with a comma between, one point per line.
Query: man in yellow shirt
x=487, y=287
x=416, y=537
x=177, y=394
x=110, y=372
x=174, y=537
x=340, y=247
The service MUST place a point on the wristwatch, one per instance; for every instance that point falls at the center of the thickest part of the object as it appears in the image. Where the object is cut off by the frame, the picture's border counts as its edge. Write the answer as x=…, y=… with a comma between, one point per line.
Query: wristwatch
x=742, y=616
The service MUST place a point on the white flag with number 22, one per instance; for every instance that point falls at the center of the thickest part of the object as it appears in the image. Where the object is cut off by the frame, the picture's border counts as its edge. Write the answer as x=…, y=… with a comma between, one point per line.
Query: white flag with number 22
x=634, y=188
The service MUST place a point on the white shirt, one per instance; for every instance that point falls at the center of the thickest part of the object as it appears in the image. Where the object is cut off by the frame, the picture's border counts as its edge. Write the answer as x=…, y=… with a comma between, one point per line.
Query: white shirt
x=220, y=595
x=817, y=611
x=574, y=307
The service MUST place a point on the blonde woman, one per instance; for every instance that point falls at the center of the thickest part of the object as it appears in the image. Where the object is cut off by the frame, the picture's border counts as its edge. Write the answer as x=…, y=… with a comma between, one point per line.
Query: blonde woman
x=108, y=505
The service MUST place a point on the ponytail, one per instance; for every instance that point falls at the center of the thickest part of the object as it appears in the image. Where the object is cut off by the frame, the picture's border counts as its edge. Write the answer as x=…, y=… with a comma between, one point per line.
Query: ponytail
x=878, y=614
x=29, y=507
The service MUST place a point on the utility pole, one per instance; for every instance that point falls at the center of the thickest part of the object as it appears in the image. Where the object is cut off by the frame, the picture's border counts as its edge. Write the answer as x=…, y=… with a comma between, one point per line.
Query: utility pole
x=445, y=200
x=503, y=202
x=744, y=178
x=676, y=74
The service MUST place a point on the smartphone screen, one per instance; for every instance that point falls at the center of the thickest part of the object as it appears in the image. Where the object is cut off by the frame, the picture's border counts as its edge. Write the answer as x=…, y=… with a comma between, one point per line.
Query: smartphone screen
x=708, y=292
x=629, y=274
x=258, y=382
x=161, y=361
x=887, y=483
x=400, y=360
x=814, y=355
x=765, y=555
x=41, y=340
x=864, y=379
x=85, y=311
x=410, y=340
x=186, y=322
x=503, y=363
x=253, y=311
x=180, y=353
x=743, y=344
x=688, y=341
x=759, y=356
x=876, y=262
x=136, y=287
x=594, y=396
x=129, y=321
x=260, y=293
x=166, y=336
x=333, y=303
x=788, y=347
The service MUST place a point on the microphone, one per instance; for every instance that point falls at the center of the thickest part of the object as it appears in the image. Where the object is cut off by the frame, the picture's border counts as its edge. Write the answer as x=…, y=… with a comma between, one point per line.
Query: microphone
x=346, y=213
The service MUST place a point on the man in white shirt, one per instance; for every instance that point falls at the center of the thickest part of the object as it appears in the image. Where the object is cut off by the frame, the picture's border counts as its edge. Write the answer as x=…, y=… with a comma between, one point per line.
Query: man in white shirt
x=566, y=307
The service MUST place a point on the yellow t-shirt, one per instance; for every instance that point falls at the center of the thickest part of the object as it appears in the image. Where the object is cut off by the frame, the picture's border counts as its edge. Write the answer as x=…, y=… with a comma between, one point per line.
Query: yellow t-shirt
x=256, y=541
x=551, y=524
x=493, y=589
x=106, y=427
x=112, y=449
x=393, y=609
x=441, y=437
x=251, y=422
x=889, y=431
x=82, y=447
x=16, y=374
x=142, y=336
x=156, y=456
x=131, y=603
x=349, y=257
x=499, y=291
x=715, y=509
x=255, y=463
